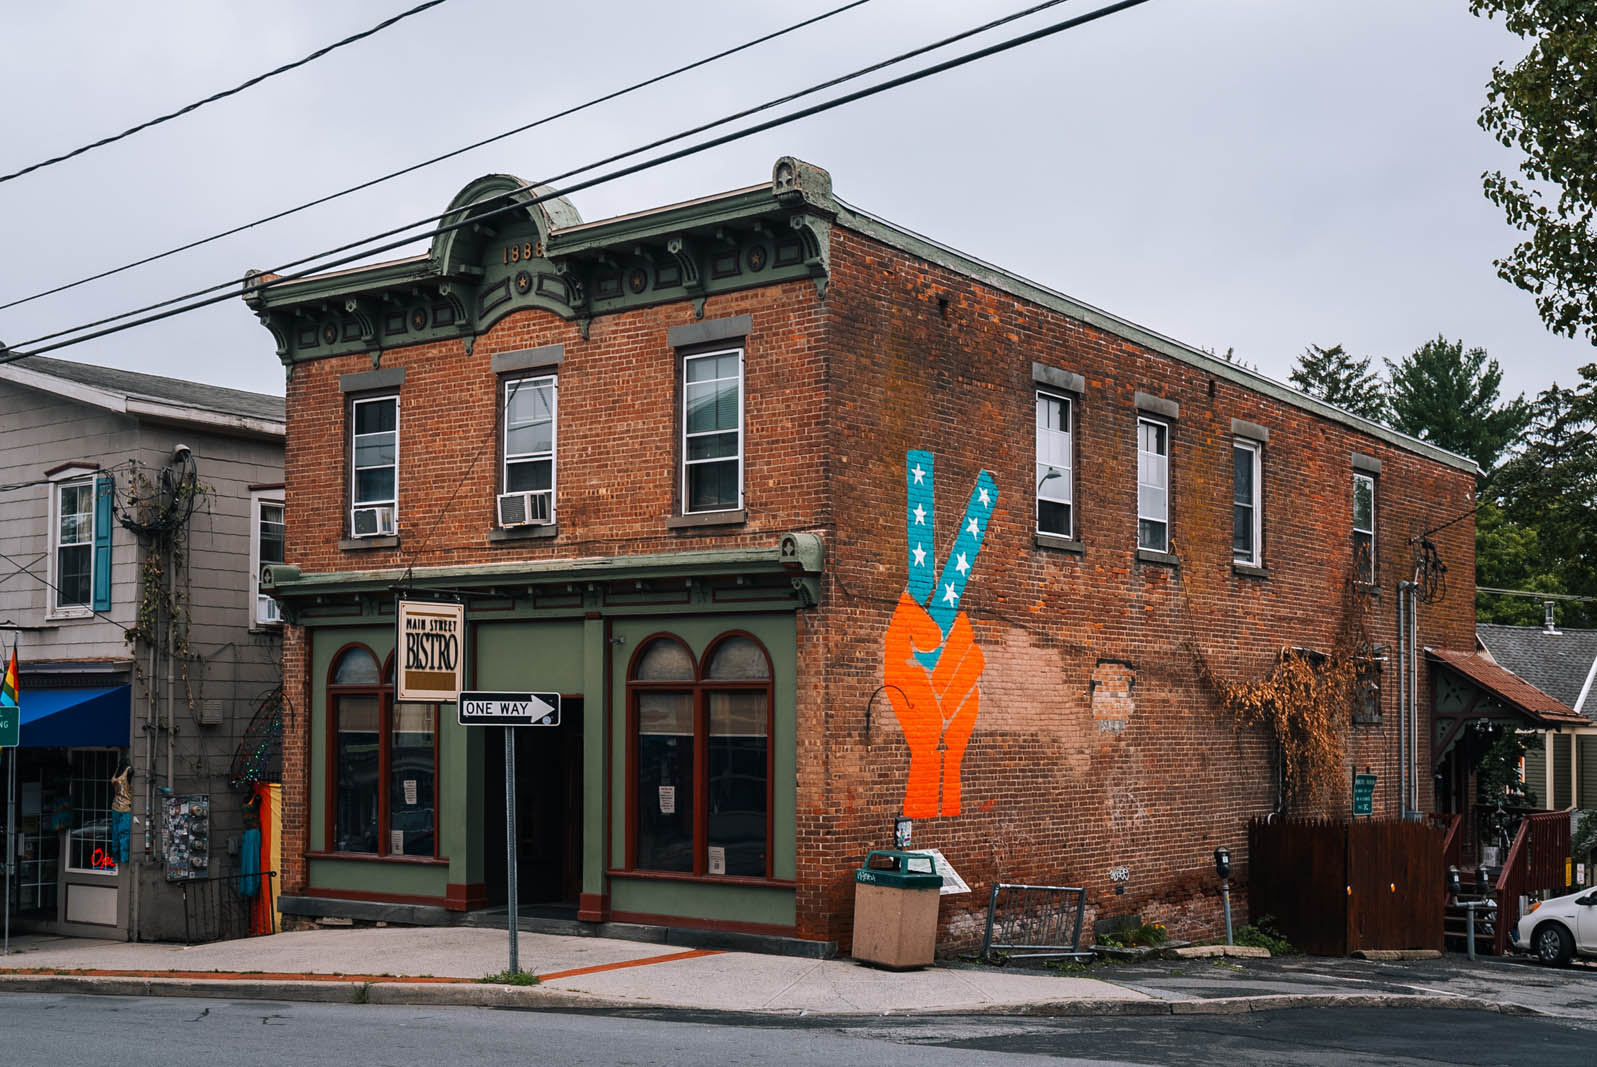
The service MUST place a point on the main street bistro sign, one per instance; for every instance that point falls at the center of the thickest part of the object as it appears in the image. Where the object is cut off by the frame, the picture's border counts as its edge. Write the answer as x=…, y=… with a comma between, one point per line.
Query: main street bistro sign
x=431, y=646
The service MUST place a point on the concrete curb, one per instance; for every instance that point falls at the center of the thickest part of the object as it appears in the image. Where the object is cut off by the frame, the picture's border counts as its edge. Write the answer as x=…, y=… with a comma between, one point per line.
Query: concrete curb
x=544, y=998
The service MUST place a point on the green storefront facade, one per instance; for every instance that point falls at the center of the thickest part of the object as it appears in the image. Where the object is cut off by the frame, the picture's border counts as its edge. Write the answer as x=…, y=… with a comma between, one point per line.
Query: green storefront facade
x=586, y=630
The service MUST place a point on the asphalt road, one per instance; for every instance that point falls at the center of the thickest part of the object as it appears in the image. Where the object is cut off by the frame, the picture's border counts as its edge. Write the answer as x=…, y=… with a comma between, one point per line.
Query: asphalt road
x=179, y=1032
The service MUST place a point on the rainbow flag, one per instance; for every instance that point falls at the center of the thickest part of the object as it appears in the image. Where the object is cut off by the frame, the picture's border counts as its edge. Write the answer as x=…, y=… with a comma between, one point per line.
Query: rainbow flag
x=10, y=707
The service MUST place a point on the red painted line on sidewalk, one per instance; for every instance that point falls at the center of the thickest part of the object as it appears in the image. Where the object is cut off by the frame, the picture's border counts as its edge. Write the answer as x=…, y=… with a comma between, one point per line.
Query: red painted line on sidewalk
x=669, y=958
x=291, y=976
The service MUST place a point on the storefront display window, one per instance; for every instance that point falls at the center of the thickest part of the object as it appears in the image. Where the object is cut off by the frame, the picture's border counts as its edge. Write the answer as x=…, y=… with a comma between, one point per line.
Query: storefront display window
x=91, y=844
x=701, y=758
x=384, y=762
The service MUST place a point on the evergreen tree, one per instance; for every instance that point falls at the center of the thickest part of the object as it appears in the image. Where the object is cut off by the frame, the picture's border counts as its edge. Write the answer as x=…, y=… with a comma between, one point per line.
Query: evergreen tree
x=1330, y=374
x=1449, y=396
x=1549, y=488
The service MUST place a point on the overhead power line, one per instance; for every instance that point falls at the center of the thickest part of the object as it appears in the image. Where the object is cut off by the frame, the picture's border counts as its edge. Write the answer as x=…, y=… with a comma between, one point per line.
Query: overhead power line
x=261, y=283
x=566, y=113
x=285, y=68
x=1531, y=594
x=283, y=277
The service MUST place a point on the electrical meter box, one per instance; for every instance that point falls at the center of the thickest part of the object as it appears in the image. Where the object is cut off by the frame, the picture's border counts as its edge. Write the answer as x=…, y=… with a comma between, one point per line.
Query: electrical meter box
x=187, y=837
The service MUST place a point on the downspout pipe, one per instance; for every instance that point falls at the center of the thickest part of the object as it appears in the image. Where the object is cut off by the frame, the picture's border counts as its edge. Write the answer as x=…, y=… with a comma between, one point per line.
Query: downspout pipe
x=1414, y=697
x=1402, y=700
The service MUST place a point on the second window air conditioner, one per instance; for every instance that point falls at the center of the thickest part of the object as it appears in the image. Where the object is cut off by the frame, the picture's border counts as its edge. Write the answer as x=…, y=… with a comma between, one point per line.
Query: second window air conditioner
x=531, y=508
x=372, y=522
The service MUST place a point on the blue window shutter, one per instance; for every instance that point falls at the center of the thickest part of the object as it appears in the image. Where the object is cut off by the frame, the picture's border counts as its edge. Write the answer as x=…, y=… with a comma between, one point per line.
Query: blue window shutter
x=104, y=487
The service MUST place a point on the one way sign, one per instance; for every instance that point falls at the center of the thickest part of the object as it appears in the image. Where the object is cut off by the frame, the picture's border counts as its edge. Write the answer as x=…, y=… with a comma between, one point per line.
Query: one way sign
x=509, y=709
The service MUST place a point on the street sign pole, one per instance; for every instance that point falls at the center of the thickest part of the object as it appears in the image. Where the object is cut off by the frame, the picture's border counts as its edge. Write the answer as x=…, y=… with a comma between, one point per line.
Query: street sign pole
x=510, y=711
x=510, y=842
x=11, y=844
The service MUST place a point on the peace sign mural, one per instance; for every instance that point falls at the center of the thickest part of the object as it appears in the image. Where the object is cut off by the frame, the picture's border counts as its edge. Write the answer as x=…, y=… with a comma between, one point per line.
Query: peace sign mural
x=931, y=664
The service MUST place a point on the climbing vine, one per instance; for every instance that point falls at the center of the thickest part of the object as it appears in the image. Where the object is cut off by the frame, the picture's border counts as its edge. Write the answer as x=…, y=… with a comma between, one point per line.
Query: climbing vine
x=1306, y=701
x=158, y=509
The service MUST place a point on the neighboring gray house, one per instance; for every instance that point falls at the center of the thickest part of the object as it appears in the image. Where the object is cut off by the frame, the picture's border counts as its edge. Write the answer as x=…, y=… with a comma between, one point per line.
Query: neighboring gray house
x=134, y=516
x=1562, y=664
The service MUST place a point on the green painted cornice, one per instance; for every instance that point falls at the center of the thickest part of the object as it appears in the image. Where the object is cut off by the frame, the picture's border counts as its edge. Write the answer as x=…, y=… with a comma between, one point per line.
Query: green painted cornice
x=800, y=556
x=509, y=247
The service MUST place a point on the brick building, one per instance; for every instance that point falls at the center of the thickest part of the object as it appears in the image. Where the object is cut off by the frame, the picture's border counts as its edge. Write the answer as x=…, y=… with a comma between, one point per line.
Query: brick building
x=816, y=525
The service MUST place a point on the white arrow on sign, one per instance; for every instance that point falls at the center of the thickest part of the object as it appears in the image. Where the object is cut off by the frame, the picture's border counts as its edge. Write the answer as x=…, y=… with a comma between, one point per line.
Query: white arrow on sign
x=509, y=709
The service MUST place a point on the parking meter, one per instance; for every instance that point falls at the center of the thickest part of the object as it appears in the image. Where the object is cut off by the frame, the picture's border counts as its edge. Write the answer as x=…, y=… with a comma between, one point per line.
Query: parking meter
x=1222, y=867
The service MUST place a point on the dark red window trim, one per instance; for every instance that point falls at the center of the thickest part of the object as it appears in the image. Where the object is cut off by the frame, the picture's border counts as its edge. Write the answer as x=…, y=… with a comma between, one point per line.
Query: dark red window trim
x=700, y=687
x=384, y=691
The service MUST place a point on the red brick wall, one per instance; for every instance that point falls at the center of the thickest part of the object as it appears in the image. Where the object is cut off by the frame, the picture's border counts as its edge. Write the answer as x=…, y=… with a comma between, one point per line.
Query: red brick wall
x=616, y=453
x=1049, y=795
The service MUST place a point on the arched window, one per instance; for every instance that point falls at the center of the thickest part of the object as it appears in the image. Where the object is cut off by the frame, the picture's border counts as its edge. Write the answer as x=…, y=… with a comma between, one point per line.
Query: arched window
x=382, y=762
x=701, y=757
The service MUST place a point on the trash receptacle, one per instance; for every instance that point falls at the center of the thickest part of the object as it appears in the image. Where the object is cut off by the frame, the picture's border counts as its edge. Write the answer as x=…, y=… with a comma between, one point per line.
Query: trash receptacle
x=895, y=909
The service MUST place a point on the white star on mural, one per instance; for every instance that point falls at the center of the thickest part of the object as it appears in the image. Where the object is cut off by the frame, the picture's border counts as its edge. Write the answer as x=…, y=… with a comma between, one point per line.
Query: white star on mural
x=960, y=565
x=949, y=594
x=974, y=527
x=920, y=555
x=920, y=515
x=920, y=475
x=984, y=496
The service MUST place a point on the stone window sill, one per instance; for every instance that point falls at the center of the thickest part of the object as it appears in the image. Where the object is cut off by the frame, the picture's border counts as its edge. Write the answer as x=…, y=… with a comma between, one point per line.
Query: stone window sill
x=1249, y=570
x=1063, y=544
x=362, y=544
x=1148, y=555
x=707, y=518
x=500, y=536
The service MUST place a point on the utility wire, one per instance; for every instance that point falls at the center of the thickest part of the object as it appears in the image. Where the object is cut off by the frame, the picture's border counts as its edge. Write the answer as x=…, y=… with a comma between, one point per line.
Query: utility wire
x=275, y=278
x=281, y=270
x=319, y=53
x=441, y=158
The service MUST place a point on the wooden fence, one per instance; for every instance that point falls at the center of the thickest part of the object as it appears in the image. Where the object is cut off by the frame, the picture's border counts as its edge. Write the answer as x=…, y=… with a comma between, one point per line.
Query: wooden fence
x=1333, y=888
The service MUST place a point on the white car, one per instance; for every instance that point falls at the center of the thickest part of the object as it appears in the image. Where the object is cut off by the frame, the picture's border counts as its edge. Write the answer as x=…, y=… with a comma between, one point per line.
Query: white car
x=1557, y=929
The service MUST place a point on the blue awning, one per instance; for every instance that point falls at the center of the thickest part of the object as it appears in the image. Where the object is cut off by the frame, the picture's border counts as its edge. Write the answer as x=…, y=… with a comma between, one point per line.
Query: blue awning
x=76, y=718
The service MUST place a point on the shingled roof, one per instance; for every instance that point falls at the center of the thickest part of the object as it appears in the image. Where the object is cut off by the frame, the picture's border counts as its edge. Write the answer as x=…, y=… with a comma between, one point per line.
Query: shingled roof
x=1558, y=662
x=165, y=390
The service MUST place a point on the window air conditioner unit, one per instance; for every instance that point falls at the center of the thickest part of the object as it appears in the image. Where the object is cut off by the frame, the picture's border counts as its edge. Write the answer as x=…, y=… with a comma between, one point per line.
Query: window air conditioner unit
x=373, y=522
x=532, y=508
x=268, y=610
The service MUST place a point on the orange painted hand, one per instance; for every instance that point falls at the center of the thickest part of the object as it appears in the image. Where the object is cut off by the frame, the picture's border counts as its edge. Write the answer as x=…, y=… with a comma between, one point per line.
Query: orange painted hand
x=931, y=664
x=936, y=709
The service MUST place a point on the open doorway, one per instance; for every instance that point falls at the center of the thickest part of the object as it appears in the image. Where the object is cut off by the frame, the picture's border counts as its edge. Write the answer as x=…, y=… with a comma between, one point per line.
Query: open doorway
x=548, y=814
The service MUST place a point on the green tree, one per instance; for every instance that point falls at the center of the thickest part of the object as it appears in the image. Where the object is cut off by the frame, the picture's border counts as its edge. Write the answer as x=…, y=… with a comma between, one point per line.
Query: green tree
x=1449, y=396
x=1543, y=106
x=1337, y=378
x=1549, y=488
x=1508, y=555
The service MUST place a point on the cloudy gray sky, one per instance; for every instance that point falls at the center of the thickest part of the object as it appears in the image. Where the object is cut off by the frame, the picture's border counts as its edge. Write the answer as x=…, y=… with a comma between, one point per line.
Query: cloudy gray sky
x=1252, y=173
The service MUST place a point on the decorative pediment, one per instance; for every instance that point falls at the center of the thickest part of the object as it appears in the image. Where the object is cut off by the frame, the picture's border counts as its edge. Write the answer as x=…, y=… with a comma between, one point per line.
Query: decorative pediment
x=505, y=246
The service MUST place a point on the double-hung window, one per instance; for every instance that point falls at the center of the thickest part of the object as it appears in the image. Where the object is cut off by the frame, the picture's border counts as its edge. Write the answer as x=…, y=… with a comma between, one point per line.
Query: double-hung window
x=1364, y=528
x=1055, y=470
x=383, y=761
x=529, y=450
x=266, y=548
x=374, y=448
x=1153, y=485
x=1247, y=498
x=80, y=542
x=701, y=758
x=712, y=431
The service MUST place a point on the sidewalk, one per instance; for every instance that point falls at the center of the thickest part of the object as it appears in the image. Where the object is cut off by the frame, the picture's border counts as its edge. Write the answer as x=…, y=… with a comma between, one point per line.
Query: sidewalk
x=445, y=965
